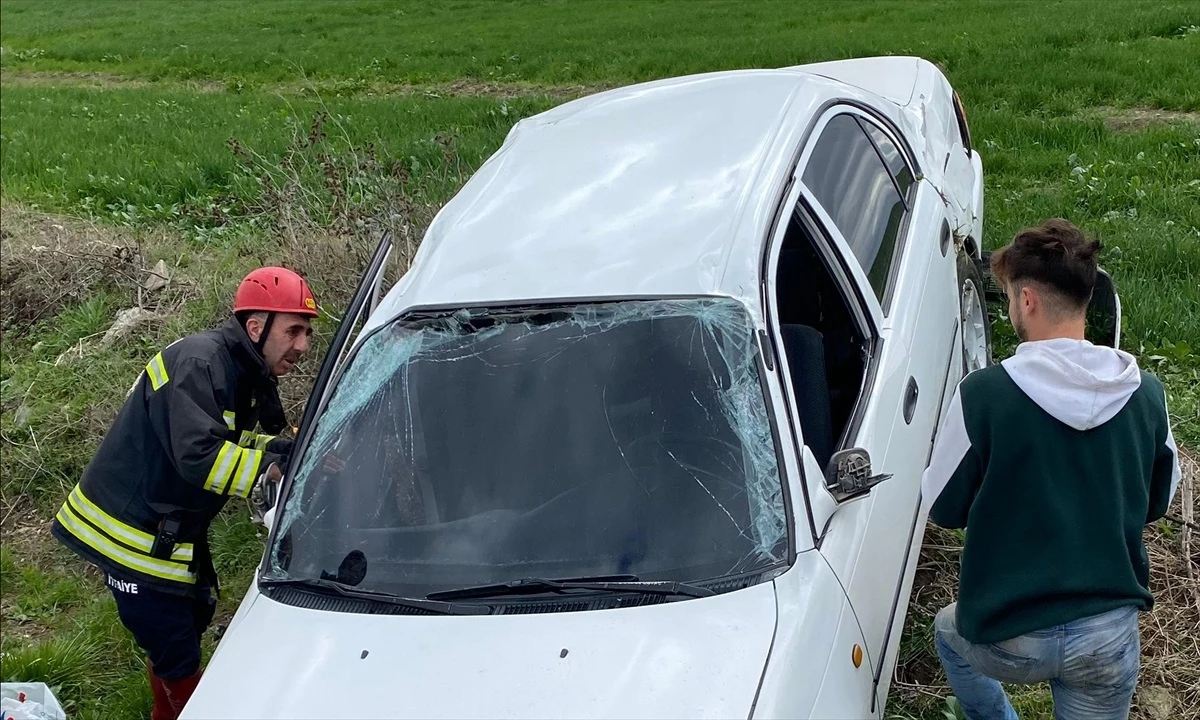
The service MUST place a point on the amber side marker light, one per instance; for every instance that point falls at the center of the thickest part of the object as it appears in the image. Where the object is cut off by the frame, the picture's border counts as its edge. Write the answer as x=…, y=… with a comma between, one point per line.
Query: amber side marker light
x=856, y=656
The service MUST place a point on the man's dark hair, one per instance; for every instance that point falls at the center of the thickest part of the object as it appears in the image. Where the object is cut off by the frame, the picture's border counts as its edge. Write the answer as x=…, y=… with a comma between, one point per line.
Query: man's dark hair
x=1055, y=255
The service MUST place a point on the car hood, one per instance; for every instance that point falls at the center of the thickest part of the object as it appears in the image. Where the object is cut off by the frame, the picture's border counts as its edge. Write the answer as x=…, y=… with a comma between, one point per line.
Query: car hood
x=693, y=658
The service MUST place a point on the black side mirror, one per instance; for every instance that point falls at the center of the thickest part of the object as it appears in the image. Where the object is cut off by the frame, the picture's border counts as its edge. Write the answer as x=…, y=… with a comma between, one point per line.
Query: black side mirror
x=1104, y=313
x=848, y=474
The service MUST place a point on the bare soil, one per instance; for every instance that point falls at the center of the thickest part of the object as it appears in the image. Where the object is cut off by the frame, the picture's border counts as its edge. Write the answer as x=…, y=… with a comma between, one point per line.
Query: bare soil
x=1140, y=118
x=98, y=80
x=459, y=88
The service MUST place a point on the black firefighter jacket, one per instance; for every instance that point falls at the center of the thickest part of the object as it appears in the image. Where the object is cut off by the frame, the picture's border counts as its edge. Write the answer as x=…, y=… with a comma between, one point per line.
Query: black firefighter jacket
x=183, y=443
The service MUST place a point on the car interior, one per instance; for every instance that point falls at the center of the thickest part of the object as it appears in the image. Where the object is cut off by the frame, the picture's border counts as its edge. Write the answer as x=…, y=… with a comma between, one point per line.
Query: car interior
x=826, y=349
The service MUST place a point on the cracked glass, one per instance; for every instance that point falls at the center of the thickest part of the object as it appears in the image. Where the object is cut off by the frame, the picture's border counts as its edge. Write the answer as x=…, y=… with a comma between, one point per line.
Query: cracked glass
x=593, y=439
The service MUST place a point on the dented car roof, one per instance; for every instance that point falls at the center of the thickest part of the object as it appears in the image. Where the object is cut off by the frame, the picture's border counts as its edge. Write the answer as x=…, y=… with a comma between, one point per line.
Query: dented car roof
x=666, y=188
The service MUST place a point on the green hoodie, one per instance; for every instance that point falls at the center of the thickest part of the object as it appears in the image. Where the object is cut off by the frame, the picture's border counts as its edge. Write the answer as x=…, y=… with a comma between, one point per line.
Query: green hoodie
x=1053, y=461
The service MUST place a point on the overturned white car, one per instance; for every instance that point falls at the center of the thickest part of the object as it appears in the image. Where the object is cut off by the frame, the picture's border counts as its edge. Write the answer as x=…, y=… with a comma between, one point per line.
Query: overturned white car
x=641, y=431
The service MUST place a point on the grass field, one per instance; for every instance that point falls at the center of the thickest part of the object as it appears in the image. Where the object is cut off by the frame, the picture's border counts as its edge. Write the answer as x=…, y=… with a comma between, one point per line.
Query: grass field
x=219, y=135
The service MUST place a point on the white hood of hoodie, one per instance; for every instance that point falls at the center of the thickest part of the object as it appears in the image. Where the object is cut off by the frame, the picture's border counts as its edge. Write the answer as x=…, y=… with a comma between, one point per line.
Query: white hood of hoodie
x=1080, y=384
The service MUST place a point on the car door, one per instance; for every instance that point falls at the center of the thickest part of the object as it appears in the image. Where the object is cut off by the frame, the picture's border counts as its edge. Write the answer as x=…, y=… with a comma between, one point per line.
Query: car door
x=860, y=185
x=364, y=301
x=921, y=326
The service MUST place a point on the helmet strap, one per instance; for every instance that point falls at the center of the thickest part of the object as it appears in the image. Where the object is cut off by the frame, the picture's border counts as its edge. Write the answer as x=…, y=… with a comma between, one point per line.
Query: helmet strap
x=262, y=338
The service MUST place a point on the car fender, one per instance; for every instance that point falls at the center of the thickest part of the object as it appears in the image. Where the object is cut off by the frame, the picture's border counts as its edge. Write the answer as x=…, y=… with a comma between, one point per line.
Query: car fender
x=812, y=670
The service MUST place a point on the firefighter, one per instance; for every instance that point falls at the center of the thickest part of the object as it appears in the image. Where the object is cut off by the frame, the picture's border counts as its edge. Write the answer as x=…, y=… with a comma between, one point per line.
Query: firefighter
x=185, y=441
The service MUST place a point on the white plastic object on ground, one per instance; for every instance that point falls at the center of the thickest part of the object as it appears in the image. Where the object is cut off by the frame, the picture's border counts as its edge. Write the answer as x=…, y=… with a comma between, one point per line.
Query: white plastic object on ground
x=29, y=701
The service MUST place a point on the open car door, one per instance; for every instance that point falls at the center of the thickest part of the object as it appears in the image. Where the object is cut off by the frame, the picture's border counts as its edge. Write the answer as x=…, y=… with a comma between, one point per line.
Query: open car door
x=366, y=298
x=1103, y=312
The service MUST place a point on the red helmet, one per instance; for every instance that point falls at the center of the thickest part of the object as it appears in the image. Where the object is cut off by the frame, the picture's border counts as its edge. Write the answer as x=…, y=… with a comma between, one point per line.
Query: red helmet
x=275, y=289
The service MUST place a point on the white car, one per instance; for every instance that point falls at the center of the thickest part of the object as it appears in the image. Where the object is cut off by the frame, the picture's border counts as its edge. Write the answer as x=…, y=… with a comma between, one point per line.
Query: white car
x=641, y=431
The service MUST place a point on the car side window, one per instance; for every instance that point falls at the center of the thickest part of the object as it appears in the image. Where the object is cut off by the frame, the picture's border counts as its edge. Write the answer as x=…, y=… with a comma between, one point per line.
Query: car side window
x=860, y=185
x=897, y=165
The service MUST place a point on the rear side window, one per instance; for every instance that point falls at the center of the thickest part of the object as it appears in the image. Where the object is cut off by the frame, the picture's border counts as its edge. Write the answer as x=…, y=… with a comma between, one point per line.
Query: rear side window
x=850, y=179
x=891, y=154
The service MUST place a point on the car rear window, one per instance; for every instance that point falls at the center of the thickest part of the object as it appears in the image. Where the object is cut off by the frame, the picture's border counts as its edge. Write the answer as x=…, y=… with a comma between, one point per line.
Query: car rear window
x=851, y=181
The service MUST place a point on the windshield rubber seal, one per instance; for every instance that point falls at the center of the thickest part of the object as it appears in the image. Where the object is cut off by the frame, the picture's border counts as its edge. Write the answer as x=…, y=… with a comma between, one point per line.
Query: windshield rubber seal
x=767, y=345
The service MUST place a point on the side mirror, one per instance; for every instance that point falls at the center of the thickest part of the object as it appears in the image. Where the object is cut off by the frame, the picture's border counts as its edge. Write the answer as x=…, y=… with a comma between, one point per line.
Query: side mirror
x=1104, y=313
x=848, y=474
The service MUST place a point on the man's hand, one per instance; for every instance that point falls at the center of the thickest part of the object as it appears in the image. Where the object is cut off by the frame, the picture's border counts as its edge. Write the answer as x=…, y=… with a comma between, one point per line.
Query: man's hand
x=274, y=474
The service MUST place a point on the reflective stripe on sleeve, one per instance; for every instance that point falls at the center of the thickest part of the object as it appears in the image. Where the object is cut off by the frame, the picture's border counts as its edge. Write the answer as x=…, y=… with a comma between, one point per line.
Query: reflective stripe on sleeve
x=246, y=472
x=257, y=441
x=156, y=370
x=222, y=468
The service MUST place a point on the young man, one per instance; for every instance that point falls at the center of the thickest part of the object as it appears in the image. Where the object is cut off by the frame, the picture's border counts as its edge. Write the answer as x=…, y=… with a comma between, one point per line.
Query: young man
x=181, y=446
x=1053, y=461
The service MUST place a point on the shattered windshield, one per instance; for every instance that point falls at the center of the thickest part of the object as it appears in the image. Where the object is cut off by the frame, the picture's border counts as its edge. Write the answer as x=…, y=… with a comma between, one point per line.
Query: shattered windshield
x=485, y=446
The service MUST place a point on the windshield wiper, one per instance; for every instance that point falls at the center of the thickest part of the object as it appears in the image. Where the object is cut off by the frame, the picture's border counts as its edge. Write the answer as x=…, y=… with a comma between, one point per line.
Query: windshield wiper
x=605, y=583
x=332, y=587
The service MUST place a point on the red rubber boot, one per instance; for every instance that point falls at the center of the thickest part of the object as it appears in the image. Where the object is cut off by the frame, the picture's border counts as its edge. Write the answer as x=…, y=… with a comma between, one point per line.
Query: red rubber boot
x=162, y=704
x=179, y=691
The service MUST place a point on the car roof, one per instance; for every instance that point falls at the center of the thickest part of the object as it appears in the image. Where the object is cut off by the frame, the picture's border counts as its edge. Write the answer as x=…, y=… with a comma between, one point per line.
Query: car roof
x=660, y=189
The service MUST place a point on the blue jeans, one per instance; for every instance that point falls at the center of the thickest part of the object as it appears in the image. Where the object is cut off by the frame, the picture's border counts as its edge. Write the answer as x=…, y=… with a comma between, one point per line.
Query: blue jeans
x=1091, y=664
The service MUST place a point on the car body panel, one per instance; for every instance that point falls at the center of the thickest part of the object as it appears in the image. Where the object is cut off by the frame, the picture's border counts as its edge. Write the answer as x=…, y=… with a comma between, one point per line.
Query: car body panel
x=868, y=542
x=811, y=672
x=698, y=658
x=661, y=189
x=977, y=206
x=891, y=78
x=639, y=194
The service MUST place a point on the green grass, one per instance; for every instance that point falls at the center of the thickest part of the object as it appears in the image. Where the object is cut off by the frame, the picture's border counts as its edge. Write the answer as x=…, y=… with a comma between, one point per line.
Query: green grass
x=163, y=155
x=61, y=629
x=154, y=154
x=123, y=113
x=1030, y=54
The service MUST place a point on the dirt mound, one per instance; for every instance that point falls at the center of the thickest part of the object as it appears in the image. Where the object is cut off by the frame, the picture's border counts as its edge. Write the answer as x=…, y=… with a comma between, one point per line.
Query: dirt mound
x=51, y=262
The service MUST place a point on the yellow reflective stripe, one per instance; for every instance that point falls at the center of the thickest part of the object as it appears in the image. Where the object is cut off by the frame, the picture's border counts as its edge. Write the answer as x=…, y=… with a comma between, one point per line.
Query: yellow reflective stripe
x=156, y=370
x=246, y=472
x=222, y=468
x=230, y=419
x=164, y=569
x=118, y=530
x=257, y=441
